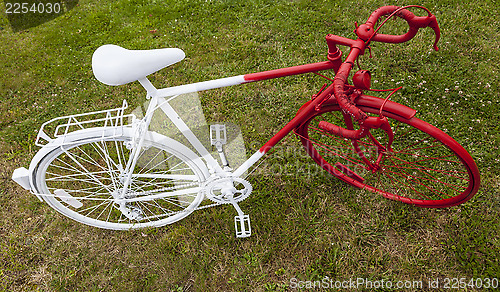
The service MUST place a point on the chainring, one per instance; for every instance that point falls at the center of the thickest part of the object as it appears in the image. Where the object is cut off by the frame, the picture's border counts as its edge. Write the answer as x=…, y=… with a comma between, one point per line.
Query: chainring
x=213, y=189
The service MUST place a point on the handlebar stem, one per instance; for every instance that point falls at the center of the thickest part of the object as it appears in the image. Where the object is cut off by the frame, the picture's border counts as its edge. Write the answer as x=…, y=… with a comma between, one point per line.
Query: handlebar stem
x=332, y=40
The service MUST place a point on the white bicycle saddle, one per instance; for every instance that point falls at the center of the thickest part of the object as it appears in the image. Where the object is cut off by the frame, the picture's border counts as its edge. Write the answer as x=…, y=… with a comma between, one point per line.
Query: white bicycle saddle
x=114, y=65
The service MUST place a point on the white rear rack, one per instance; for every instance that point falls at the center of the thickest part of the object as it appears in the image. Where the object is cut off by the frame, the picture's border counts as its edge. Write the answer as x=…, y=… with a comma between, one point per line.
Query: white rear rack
x=100, y=119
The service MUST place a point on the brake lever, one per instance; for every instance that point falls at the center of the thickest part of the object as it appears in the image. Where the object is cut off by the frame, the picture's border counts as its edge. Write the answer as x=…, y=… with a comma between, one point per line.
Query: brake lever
x=434, y=25
x=429, y=21
x=380, y=122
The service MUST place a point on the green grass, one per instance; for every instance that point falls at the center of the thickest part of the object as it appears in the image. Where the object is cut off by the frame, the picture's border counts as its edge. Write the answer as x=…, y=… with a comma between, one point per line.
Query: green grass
x=304, y=227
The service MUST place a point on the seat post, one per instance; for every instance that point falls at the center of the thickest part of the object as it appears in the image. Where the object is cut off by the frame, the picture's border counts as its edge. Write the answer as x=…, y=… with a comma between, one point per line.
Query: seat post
x=151, y=90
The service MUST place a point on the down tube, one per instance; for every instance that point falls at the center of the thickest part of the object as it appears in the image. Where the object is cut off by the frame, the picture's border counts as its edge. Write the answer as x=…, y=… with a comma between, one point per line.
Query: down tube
x=295, y=122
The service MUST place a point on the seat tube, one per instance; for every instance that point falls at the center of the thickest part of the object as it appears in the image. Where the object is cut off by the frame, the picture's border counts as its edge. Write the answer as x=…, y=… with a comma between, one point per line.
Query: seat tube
x=212, y=164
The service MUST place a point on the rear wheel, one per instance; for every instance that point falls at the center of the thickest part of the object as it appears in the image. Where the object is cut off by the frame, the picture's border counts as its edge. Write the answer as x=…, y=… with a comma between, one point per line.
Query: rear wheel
x=425, y=166
x=83, y=180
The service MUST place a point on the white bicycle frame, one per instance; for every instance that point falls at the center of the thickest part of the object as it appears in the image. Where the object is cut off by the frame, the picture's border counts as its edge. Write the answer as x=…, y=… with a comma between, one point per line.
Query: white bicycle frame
x=160, y=98
x=114, y=65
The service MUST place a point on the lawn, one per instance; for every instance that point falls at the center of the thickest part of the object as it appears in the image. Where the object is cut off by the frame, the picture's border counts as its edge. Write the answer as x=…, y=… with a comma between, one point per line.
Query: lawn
x=307, y=226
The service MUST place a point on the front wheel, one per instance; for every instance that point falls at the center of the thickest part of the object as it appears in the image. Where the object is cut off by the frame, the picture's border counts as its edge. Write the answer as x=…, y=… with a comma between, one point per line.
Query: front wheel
x=425, y=166
x=84, y=178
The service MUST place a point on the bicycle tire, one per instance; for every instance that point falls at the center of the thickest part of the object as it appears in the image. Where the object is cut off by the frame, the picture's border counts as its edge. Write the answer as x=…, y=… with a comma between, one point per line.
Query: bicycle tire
x=427, y=167
x=88, y=169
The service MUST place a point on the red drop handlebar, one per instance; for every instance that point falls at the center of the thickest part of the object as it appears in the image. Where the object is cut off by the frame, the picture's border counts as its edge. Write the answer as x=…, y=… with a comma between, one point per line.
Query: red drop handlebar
x=368, y=33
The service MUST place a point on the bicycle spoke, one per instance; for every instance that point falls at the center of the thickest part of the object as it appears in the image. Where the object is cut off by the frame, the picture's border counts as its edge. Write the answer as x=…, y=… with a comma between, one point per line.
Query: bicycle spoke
x=407, y=176
x=162, y=187
x=413, y=165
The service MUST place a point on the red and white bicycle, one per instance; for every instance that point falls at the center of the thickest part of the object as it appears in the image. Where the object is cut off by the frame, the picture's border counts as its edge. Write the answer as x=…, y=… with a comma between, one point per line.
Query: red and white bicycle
x=111, y=170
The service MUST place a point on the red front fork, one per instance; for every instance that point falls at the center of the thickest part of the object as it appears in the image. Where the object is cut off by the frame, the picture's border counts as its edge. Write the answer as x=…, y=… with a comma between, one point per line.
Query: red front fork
x=347, y=103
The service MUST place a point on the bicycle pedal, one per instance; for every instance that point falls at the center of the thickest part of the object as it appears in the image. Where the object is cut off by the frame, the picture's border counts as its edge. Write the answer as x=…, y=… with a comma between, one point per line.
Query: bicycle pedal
x=218, y=138
x=242, y=226
x=218, y=134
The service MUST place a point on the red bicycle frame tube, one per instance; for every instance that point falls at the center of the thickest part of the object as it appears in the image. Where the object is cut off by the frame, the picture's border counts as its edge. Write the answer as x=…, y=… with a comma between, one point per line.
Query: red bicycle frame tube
x=296, y=70
x=335, y=64
x=299, y=118
x=303, y=114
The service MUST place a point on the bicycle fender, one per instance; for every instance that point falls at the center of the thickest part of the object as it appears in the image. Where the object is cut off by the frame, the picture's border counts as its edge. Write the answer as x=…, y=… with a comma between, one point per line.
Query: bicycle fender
x=374, y=102
x=390, y=106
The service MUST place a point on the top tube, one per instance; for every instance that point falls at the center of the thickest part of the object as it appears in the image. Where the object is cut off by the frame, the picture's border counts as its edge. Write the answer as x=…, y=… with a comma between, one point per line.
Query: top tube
x=252, y=77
